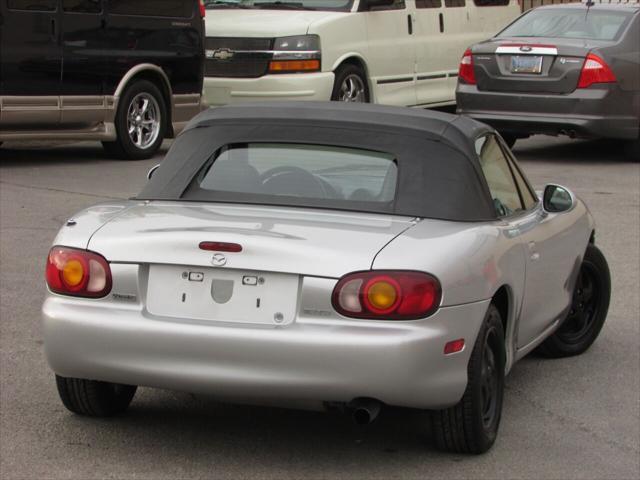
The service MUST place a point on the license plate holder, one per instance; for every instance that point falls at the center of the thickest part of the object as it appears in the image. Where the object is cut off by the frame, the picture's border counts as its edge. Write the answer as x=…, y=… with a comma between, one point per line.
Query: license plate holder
x=222, y=295
x=531, y=64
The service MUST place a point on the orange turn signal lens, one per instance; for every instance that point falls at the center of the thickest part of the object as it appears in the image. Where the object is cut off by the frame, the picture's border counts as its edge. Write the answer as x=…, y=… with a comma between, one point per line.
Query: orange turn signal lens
x=382, y=295
x=73, y=273
x=291, y=66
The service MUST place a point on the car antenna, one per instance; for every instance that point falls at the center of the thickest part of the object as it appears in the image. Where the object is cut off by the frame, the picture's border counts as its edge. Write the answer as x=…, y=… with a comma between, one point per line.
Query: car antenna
x=590, y=3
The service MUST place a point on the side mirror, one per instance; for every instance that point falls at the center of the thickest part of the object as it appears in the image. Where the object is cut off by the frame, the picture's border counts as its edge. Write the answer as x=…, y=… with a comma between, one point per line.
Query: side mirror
x=151, y=171
x=557, y=199
x=367, y=5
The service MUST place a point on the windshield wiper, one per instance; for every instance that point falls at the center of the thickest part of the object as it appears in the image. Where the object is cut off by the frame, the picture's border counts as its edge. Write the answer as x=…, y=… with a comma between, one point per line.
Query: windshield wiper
x=210, y=5
x=282, y=5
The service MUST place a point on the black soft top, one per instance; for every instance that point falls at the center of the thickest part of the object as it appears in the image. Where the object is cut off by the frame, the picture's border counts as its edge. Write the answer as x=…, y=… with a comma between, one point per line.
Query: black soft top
x=439, y=175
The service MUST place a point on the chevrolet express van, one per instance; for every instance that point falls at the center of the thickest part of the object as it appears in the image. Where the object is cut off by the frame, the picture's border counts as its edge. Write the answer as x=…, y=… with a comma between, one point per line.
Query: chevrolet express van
x=395, y=52
x=128, y=73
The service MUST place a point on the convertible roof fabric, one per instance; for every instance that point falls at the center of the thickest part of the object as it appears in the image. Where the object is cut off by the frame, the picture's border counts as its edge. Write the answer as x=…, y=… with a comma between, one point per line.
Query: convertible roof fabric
x=439, y=175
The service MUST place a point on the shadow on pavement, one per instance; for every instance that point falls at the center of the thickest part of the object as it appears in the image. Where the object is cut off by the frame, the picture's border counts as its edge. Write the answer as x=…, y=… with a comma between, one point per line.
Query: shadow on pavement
x=574, y=151
x=21, y=154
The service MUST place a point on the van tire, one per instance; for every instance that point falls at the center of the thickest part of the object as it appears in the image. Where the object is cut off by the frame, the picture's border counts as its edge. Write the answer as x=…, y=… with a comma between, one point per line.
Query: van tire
x=350, y=85
x=92, y=398
x=149, y=126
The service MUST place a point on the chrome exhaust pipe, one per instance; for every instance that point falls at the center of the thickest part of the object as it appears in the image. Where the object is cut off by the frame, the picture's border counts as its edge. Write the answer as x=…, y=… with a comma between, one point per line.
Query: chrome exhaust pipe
x=364, y=410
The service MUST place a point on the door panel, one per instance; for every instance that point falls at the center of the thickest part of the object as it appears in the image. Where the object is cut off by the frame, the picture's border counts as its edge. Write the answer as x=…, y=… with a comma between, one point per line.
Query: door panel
x=432, y=84
x=392, y=53
x=83, y=46
x=31, y=63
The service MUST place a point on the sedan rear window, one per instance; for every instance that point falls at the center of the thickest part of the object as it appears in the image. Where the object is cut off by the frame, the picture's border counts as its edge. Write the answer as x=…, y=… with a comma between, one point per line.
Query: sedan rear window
x=569, y=23
x=298, y=175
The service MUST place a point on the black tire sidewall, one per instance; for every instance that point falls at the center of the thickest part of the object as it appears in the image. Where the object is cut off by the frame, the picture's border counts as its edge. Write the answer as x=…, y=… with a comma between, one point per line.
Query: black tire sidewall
x=343, y=72
x=485, y=437
x=554, y=346
x=126, y=146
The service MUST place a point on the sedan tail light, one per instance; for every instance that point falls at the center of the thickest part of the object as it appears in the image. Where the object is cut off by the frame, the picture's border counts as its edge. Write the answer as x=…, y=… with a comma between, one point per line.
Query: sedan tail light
x=387, y=295
x=466, y=73
x=78, y=273
x=595, y=70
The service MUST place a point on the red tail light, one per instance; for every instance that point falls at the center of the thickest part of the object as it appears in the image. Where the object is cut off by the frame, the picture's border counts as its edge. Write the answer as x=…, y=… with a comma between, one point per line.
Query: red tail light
x=466, y=73
x=595, y=70
x=203, y=11
x=387, y=295
x=78, y=273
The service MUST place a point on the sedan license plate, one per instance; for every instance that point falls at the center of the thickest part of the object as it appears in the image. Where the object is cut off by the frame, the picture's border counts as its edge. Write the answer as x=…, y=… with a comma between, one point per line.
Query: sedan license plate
x=526, y=64
x=224, y=295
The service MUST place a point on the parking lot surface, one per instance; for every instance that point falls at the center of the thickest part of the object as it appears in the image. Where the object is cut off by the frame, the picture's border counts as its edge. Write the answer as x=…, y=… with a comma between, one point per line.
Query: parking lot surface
x=572, y=418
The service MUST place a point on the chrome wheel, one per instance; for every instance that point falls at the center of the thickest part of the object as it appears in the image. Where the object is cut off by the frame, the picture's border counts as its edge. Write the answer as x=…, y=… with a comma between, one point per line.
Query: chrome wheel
x=143, y=120
x=352, y=89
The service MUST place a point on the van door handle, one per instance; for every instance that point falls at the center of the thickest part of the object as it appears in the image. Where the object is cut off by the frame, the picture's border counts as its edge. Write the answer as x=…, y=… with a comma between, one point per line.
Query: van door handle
x=53, y=29
x=410, y=24
x=441, y=19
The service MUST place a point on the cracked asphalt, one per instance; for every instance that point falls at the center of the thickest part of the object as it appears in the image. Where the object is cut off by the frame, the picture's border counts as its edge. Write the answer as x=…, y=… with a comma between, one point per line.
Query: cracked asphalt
x=572, y=418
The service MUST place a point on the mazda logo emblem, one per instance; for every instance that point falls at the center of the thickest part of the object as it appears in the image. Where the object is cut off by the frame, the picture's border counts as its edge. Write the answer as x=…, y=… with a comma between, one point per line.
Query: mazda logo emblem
x=218, y=260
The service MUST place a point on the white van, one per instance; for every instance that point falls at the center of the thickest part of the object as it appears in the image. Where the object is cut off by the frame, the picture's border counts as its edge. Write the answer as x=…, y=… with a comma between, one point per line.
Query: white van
x=395, y=52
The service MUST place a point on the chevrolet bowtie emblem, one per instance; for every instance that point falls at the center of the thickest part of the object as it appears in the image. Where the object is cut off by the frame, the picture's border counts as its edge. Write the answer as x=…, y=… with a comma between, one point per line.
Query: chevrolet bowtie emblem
x=220, y=54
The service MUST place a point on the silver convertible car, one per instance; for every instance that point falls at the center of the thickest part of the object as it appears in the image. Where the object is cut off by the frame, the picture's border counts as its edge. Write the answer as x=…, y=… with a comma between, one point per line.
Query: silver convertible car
x=342, y=255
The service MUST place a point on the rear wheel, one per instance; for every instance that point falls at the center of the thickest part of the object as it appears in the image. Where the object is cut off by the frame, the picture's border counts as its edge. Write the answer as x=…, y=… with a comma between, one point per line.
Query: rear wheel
x=350, y=85
x=93, y=398
x=471, y=426
x=141, y=122
x=588, y=309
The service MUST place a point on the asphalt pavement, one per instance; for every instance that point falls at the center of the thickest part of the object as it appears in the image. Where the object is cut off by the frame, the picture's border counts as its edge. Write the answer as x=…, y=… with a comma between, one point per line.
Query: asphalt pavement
x=572, y=418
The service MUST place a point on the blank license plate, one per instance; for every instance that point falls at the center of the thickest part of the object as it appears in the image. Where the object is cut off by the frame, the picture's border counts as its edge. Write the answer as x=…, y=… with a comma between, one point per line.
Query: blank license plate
x=526, y=64
x=226, y=295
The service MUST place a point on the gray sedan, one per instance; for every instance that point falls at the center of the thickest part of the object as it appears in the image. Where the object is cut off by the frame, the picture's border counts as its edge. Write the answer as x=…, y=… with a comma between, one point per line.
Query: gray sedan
x=348, y=256
x=558, y=69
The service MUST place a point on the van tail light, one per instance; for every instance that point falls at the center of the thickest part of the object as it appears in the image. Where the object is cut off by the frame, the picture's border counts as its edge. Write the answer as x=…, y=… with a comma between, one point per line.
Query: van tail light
x=203, y=11
x=466, y=73
x=78, y=273
x=595, y=70
x=387, y=295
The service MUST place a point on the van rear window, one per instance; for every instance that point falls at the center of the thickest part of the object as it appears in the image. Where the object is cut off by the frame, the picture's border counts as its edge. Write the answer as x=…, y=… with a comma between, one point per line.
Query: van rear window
x=153, y=8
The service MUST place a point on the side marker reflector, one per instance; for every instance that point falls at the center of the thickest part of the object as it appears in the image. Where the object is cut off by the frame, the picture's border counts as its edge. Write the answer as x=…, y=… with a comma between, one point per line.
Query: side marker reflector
x=454, y=346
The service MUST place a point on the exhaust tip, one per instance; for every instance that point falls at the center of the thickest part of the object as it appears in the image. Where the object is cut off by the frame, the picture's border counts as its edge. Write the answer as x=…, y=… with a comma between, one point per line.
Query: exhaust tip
x=364, y=411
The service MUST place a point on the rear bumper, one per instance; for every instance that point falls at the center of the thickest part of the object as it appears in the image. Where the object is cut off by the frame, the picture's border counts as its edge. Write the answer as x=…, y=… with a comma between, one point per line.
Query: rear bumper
x=399, y=363
x=304, y=86
x=593, y=112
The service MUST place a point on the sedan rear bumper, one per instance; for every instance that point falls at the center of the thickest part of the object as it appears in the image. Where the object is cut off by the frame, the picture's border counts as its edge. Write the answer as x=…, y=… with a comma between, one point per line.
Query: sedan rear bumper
x=605, y=111
x=398, y=363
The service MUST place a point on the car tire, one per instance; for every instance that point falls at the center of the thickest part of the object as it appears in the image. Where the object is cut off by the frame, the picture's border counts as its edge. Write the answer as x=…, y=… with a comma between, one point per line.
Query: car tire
x=471, y=426
x=92, y=398
x=350, y=85
x=588, y=309
x=148, y=125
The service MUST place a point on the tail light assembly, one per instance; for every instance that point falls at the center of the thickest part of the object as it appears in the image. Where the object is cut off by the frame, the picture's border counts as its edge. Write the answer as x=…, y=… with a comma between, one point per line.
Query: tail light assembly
x=387, y=295
x=201, y=7
x=595, y=70
x=466, y=73
x=78, y=273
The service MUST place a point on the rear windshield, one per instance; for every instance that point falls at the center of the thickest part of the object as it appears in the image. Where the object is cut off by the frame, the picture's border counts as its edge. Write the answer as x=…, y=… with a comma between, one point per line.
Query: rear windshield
x=298, y=175
x=569, y=23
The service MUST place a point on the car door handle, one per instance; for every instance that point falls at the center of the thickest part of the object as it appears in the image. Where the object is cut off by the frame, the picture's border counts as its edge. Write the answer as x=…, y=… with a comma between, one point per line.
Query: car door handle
x=532, y=250
x=410, y=24
x=441, y=18
x=53, y=29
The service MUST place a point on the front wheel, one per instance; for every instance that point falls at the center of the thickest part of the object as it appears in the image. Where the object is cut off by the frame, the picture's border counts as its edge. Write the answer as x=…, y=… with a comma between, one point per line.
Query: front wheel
x=140, y=121
x=350, y=85
x=471, y=426
x=92, y=398
x=588, y=310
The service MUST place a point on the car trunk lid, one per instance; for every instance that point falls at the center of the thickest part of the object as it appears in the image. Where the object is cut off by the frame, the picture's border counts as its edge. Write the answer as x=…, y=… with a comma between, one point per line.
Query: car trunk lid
x=276, y=239
x=530, y=64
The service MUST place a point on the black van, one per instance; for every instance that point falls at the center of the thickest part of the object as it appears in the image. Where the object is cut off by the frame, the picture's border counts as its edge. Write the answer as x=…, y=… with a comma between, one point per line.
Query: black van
x=126, y=72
